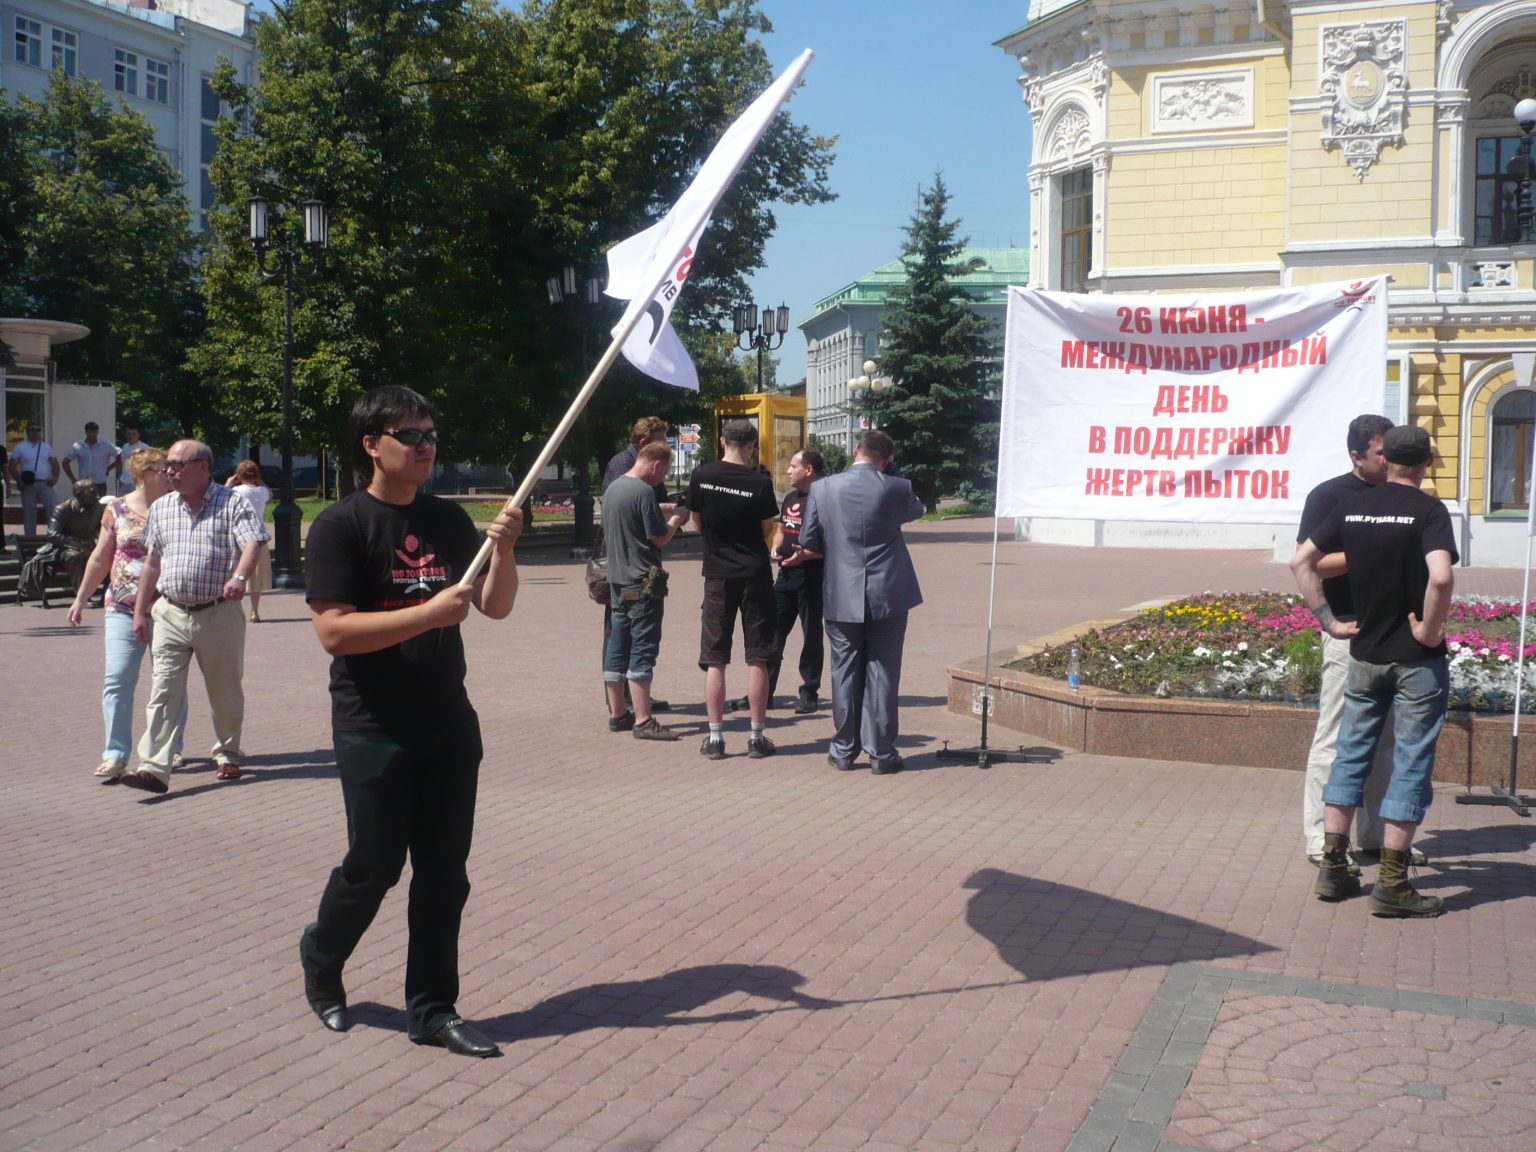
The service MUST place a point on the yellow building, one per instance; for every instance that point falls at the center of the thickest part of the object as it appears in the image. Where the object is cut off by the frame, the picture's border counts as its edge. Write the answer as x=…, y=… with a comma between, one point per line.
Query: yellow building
x=1217, y=146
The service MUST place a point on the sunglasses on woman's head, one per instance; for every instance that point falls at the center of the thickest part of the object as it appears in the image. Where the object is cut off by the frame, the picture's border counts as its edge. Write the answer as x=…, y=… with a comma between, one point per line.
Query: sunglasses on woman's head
x=411, y=437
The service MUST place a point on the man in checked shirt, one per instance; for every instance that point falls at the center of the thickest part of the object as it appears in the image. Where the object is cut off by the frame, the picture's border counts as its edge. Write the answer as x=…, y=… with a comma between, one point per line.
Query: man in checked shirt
x=202, y=541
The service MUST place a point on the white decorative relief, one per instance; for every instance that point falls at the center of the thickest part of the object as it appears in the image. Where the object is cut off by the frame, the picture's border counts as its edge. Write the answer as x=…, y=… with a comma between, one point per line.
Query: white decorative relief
x=1491, y=274
x=1072, y=137
x=1500, y=101
x=1364, y=83
x=1196, y=102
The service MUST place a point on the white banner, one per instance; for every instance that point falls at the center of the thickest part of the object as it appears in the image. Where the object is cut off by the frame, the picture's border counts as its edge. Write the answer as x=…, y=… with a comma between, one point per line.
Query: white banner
x=1210, y=409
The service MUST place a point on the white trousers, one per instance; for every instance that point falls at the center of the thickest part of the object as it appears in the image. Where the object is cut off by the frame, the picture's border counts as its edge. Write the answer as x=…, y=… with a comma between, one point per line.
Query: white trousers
x=216, y=636
x=1330, y=713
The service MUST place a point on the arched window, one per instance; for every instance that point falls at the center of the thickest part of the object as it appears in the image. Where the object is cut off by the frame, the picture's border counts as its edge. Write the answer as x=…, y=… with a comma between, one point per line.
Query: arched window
x=1509, y=465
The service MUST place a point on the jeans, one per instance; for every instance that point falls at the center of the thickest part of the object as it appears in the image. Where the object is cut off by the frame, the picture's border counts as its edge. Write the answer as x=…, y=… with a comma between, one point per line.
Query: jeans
x=797, y=597
x=124, y=655
x=635, y=641
x=1417, y=692
x=404, y=795
x=36, y=496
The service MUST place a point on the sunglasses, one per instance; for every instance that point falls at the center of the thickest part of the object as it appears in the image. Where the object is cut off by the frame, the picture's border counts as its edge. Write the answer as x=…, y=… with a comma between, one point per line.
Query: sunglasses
x=411, y=437
x=178, y=465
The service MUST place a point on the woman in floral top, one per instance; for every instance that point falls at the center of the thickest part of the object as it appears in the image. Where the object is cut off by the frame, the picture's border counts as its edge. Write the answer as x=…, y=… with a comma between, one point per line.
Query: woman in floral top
x=120, y=553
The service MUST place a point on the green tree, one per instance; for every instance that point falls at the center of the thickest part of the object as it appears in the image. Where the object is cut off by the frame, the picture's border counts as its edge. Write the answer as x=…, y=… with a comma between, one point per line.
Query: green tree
x=943, y=359
x=832, y=453
x=94, y=229
x=467, y=153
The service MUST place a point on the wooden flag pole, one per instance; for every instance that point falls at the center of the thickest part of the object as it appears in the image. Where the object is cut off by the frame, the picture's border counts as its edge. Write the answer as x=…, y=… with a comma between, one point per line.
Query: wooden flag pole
x=556, y=438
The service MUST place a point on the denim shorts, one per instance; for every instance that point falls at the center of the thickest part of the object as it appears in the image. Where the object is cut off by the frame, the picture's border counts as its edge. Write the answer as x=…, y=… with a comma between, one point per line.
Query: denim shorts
x=635, y=640
x=1416, y=691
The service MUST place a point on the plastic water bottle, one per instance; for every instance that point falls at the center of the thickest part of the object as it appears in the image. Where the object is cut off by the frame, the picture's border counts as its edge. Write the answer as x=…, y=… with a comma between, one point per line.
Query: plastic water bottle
x=1074, y=671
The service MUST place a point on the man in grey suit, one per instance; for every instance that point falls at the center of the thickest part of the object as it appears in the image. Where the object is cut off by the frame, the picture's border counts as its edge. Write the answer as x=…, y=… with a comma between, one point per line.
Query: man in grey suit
x=855, y=520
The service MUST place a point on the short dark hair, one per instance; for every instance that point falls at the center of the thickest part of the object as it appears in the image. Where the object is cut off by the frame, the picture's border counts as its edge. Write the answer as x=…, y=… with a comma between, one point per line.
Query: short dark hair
x=877, y=444
x=1364, y=429
x=813, y=460
x=377, y=409
x=738, y=433
x=92, y=426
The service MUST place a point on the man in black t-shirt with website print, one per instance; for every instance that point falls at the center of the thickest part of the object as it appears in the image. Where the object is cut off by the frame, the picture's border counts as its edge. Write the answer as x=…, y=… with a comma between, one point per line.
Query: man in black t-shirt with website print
x=733, y=506
x=384, y=593
x=1400, y=546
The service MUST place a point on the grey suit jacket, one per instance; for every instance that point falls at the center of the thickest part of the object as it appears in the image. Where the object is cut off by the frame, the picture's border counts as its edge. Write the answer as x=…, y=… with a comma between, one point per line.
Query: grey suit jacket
x=855, y=519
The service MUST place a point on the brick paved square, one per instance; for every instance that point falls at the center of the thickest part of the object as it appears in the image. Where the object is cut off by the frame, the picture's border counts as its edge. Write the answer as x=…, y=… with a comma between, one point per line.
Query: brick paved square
x=682, y=954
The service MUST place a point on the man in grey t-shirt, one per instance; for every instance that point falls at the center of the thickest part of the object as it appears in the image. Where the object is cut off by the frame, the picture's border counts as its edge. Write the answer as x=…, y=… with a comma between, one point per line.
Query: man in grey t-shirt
x=635, y=532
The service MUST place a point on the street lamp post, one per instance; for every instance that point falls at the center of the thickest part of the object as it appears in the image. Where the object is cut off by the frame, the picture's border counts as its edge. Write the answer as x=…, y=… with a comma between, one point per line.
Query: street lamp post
x=865, y=391
x=1525, y=116
x=759, y=335
x=564, y=288
x=286, y=517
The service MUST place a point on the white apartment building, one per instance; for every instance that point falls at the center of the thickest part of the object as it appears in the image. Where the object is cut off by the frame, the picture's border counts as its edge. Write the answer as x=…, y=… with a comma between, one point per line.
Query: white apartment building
x=156, y=56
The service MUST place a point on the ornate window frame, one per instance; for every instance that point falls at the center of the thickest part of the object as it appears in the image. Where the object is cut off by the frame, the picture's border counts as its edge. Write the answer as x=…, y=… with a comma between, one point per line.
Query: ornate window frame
x=1071, y=138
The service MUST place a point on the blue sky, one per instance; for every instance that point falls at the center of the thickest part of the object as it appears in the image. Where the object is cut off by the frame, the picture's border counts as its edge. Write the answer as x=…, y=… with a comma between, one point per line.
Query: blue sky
x=910, y=87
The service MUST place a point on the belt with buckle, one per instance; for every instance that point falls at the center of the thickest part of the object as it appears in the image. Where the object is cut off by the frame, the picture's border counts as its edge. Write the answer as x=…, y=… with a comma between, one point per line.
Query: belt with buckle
x=192, y=607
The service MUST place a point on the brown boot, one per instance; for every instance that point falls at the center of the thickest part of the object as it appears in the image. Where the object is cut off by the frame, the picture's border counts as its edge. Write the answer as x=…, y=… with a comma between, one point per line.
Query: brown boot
x=1392, y=895
x=1334, y=881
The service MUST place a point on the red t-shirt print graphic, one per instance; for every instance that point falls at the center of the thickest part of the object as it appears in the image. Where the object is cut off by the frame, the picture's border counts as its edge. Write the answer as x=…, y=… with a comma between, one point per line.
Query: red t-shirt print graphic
x=418, y=574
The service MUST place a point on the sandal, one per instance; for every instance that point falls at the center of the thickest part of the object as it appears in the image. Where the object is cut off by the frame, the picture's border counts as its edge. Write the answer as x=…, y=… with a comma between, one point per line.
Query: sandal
x=255, y=618
x=228, y=771
x=110, y=769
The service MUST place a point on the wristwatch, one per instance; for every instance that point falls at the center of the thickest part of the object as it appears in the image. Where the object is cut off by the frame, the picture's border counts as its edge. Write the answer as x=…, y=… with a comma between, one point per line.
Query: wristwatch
x=242, y=579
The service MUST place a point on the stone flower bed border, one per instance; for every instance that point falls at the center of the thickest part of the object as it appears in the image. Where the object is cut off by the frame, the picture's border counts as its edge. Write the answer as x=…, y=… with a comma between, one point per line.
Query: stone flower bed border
x=1473, y=748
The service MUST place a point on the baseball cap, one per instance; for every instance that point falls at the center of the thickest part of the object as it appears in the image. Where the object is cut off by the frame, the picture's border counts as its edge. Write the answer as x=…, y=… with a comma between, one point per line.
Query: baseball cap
x=1407, y=444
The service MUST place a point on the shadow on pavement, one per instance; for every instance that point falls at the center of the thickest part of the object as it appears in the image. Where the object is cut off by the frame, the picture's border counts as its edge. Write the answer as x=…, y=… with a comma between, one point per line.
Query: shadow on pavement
x=317, y=764
x=649, y=1003
x=1045, y=930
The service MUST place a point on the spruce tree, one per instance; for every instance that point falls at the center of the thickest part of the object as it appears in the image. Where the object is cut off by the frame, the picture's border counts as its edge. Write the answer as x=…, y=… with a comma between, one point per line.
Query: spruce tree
x=943, y=361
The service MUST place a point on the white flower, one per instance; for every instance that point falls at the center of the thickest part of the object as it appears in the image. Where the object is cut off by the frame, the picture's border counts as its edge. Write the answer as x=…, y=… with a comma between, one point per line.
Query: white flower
x=1242, y=645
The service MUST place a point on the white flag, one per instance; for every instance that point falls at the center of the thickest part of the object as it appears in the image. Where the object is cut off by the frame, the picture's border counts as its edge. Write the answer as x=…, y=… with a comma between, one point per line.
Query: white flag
x=649, y=269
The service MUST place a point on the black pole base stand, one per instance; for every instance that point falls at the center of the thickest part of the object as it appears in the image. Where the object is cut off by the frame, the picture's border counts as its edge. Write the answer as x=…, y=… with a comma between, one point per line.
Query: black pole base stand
x=984, y=757
x=1520, y=805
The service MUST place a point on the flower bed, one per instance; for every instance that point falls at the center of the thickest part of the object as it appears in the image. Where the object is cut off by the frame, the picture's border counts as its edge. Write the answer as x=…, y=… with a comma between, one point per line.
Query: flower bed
x=1264, y=646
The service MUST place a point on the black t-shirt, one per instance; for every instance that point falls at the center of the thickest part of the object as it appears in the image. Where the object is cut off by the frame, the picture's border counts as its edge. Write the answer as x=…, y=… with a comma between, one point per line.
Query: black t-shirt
x=1320, y=501
x=379, y=557
x=732, y=501
x=791, y=515
x=1385, y=532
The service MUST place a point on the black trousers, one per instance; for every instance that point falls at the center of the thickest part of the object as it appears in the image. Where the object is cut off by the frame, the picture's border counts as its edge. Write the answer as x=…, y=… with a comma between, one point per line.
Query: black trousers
x=413, y=796
x=797, y=597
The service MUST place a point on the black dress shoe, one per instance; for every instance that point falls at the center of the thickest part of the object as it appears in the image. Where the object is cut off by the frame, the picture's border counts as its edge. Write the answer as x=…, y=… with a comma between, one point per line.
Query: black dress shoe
x=737, y=704
x=660, y=706
x=892, y=766
x=461, y=1038
x=841, y=765
x=327, y=998
x=805, y=705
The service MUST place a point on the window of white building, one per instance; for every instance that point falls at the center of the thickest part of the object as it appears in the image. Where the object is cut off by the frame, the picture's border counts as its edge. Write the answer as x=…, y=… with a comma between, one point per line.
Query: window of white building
x=29, y=42
x=157, y=81
x=65, y=50
x=125, y=72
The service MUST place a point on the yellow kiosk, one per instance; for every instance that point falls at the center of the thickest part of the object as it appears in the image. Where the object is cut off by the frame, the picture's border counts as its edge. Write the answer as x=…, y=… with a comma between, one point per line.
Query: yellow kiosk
x=780, y=422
